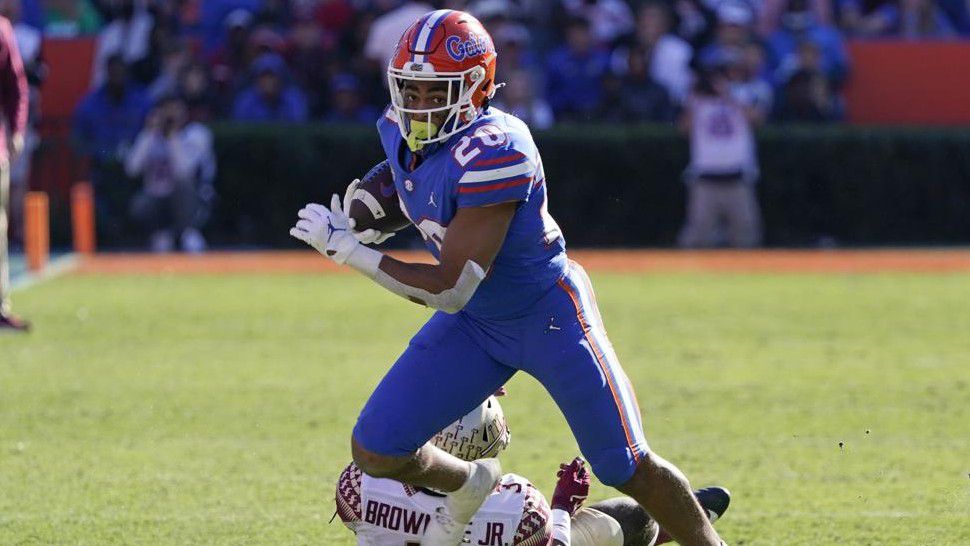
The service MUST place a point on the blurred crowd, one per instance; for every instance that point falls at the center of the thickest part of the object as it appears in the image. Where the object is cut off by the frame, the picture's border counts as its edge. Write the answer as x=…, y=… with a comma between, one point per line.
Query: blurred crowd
x=563, y=60
x=163, y=69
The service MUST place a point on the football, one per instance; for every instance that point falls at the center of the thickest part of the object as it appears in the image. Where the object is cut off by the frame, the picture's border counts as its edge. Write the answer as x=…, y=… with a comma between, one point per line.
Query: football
x=374, y=204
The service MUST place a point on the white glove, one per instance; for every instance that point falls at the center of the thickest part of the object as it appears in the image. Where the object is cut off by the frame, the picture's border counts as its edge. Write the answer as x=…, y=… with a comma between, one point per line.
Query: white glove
x=368, y=236
x=327, y=230
x=371, y=236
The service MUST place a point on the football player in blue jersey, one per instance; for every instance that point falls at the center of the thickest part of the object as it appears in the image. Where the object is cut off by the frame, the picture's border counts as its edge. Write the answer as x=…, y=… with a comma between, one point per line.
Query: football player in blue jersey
x=470, y=178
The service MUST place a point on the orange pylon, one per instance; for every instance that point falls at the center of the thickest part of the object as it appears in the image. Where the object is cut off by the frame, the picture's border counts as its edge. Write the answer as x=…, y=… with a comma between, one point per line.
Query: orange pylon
x=36, y=230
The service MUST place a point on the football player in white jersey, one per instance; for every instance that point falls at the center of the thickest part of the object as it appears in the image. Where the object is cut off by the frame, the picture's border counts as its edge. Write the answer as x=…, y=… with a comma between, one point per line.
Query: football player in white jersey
x=385, y=512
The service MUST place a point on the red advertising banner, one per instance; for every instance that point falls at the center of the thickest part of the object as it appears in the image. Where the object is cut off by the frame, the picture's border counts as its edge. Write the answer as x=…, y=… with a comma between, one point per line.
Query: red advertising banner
x=906, y=83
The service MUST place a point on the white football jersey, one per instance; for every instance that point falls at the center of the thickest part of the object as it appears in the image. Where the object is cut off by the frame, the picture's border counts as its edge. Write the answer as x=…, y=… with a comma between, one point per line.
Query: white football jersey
x=721, y=138
x=385, y=512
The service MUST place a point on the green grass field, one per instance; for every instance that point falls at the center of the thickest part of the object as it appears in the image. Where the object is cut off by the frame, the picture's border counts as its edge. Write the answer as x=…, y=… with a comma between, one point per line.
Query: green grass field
x=217, y=410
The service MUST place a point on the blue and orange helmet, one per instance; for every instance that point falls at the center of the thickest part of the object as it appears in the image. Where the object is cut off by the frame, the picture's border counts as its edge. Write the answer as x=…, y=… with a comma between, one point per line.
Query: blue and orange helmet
x=446, y=46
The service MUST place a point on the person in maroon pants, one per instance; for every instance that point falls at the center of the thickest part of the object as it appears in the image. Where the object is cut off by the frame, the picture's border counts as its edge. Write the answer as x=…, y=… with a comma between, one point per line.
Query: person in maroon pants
x=13, y=102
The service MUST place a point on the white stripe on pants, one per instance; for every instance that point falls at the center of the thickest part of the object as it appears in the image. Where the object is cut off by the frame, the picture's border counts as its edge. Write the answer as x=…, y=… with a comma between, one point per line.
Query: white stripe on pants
x=4, y=256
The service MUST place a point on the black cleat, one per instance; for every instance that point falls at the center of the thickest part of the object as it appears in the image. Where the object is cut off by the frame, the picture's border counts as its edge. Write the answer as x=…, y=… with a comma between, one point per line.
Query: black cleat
x=714, y=501
x=10, y=323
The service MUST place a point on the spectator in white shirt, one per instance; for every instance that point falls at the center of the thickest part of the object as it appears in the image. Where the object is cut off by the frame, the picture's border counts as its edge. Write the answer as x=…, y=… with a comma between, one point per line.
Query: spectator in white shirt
x=127, y=35
x=669, y=55
x=722, y=205
x=608, y=19
x=388, y=28
x=176, y=163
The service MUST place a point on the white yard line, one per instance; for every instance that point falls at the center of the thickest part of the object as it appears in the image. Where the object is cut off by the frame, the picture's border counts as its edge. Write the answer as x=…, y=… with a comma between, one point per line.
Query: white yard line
x=55, y=268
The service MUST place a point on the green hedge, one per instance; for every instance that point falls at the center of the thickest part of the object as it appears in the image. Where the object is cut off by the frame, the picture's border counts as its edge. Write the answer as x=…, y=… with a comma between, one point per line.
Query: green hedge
x=621, y=186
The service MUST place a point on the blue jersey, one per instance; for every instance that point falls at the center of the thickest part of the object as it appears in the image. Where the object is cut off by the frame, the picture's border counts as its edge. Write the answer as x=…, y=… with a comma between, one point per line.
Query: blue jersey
x=492, y=161
x=535, y=311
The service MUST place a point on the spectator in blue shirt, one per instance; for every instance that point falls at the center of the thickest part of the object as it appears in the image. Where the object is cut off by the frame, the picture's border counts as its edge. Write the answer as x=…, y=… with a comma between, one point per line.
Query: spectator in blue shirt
x=108, y=118
x=512, y=44
x=214, y=13
x=798, y=26
x=735, y=28
x=105, y=124
x=270, y=97
x=345, y=102
x=574, y=73
x=630, y=94
x=32, y=13
x=958, y=13
x=909, y=20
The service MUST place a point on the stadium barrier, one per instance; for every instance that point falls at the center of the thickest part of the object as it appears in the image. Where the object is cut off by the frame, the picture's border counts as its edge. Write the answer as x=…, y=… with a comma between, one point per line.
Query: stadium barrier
x=621, y=186
x=610, y=185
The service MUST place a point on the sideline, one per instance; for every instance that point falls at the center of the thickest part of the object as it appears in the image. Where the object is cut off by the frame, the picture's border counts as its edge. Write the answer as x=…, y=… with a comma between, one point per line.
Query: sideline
x=22, y=279
x=916, y=260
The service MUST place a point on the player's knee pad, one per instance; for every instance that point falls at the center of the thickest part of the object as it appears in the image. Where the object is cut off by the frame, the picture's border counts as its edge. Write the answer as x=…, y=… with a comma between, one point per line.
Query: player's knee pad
x=590, y=527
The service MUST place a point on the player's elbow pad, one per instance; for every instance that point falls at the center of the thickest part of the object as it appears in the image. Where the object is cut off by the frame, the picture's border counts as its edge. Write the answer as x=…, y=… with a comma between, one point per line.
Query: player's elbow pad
x=455, y=298
x=450, y=300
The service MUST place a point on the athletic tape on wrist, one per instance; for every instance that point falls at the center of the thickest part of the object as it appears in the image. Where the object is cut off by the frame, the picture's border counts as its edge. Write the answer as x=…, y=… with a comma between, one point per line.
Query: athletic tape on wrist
x=560, y=527
x=365, y=259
